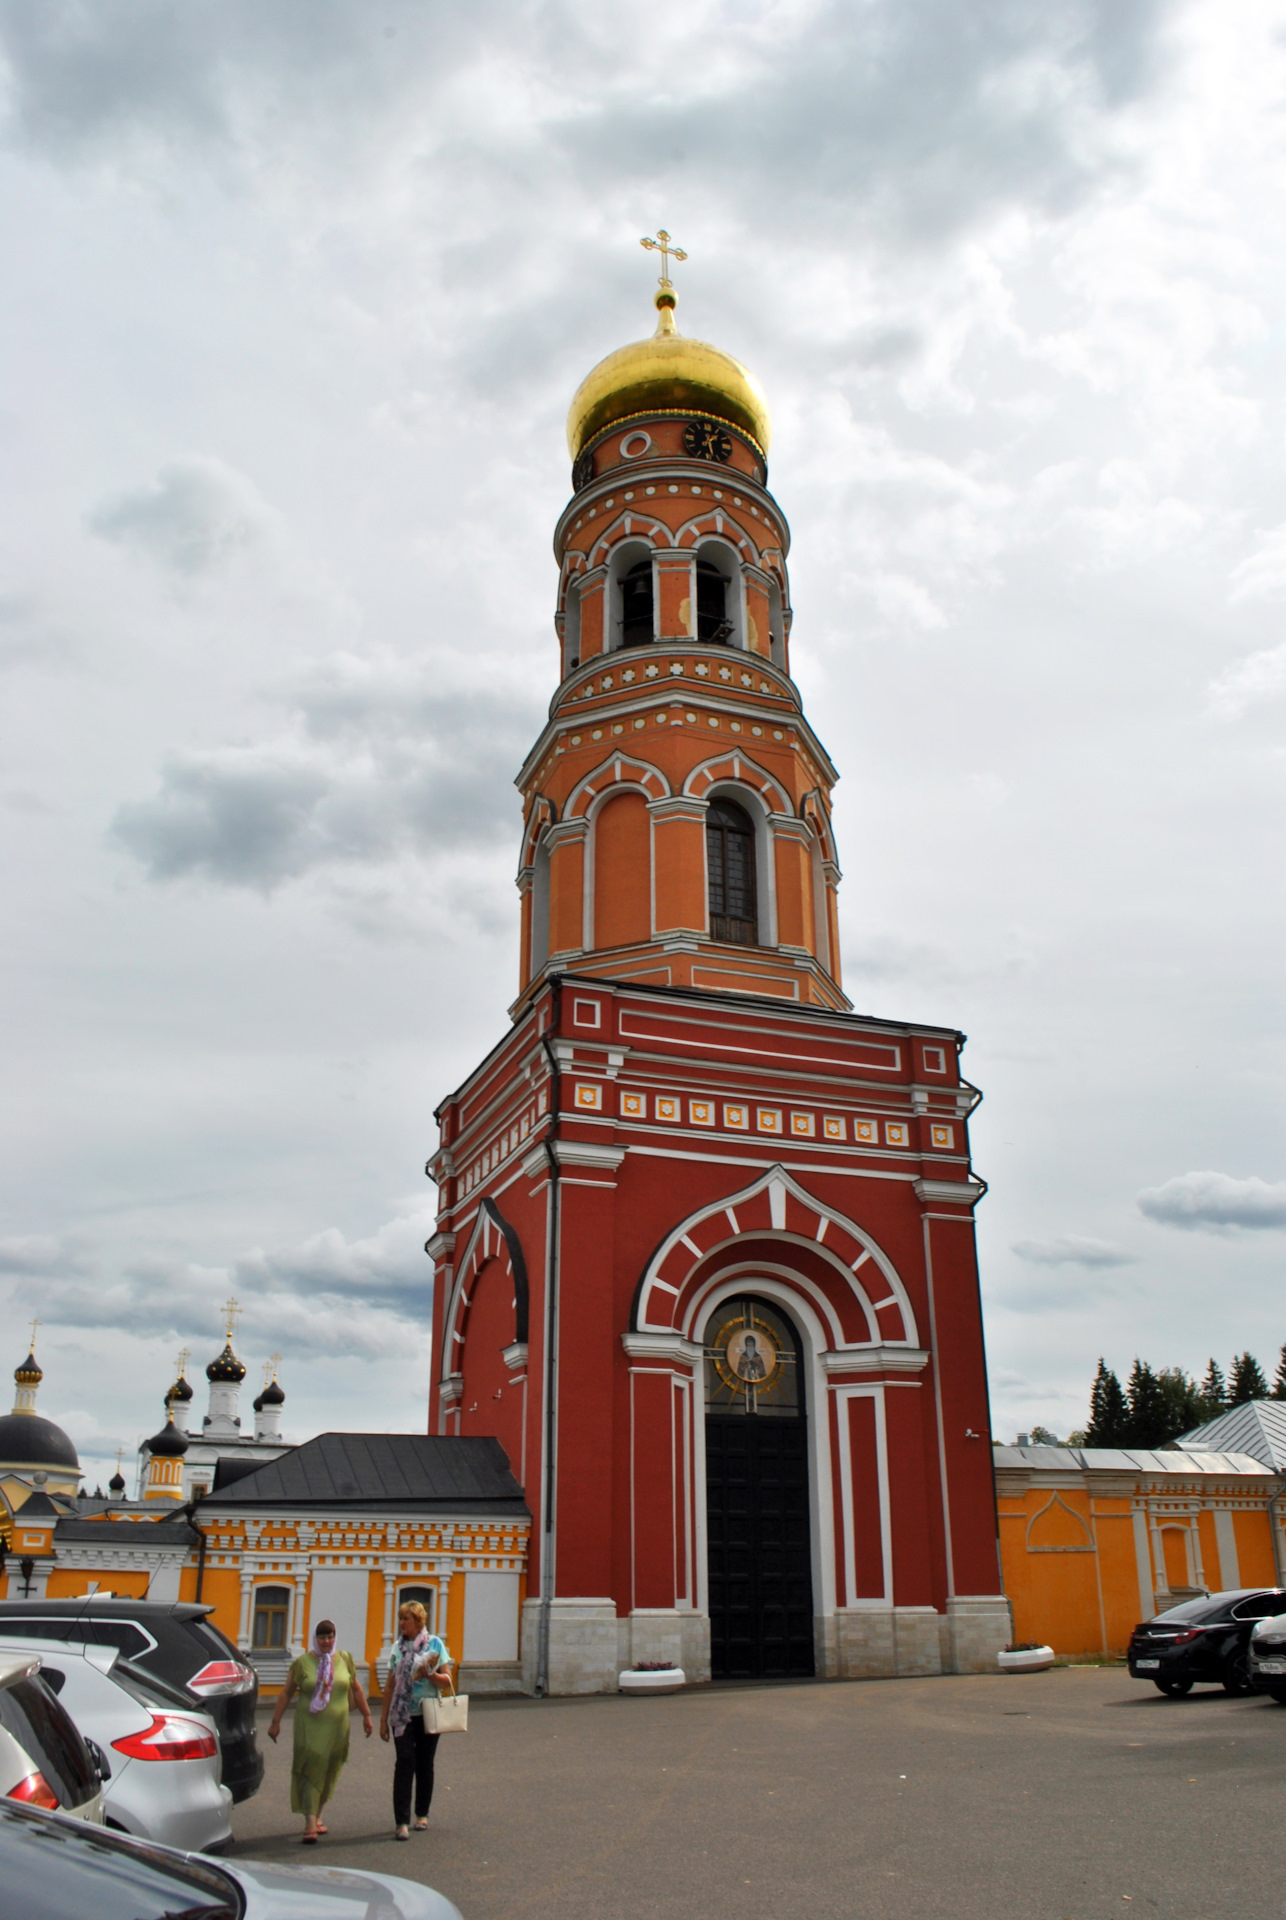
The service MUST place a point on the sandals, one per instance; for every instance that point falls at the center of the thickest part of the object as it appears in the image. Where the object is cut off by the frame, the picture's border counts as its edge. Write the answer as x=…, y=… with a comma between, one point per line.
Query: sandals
x=402, y=1833
x=421, y=1826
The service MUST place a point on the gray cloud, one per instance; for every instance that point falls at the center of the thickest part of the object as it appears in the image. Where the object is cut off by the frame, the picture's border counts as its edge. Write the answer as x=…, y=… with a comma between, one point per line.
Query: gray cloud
x=328, y=1295
x=34, y=1255
x=382, y=763
x=1216, y=1203
x=1073, y=1250
x=197, y=515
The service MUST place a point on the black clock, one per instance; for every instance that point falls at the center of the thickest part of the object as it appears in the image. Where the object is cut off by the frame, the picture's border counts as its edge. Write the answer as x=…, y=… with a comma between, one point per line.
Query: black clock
x=702, y=441
x=582, y=471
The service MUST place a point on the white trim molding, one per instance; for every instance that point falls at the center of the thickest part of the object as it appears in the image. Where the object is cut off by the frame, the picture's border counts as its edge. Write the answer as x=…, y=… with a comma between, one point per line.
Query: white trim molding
x=954, y=1193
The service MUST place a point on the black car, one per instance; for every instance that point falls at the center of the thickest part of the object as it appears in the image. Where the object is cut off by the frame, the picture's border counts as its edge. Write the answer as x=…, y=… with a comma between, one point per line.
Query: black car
x=175, y=1642
x=1202, y=1640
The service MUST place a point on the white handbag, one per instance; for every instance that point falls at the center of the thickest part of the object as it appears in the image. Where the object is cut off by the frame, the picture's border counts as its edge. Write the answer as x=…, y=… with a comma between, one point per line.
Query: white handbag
x=449, y=1714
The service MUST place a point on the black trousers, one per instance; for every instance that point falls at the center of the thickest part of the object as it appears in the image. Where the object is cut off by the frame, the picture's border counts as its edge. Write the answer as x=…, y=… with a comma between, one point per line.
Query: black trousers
x=416, y=1751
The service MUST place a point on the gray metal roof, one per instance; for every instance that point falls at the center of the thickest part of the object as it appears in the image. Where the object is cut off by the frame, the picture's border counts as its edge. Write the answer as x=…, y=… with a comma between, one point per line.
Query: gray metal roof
x=418, y=1470
x=134, y=1536
x=1126, y=1460
x=1257, y=1428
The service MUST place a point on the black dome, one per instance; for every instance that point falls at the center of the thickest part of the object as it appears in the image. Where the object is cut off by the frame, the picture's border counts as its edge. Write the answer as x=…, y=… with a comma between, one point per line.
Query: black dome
x=226, y=1367
x=272, y=1396
x=26, y=1440
x=257, y=1403
x=179, y=1391
x=169, y=1442
x=116, y=1484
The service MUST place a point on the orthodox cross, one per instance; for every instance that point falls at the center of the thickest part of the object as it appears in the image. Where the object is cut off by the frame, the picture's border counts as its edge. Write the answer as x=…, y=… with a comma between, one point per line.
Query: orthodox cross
x=181, y=1361
x=274, y=1362
x=32, y=1347
x=232, y=1309
x=662, y=246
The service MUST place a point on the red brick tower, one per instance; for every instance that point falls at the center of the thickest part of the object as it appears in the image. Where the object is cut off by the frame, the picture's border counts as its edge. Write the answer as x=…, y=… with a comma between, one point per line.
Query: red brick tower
x=705, y=1260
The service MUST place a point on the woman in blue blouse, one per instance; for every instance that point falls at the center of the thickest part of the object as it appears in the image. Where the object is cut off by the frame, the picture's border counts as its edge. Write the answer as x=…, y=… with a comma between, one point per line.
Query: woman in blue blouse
x=419, y=1665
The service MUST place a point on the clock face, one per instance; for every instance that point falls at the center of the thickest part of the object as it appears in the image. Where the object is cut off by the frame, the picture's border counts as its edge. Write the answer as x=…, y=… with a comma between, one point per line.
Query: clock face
x=704, y=441
x=582, y=471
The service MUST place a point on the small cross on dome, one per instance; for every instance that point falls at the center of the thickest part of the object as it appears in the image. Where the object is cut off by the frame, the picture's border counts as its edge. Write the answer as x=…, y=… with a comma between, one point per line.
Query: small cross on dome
x=662, y=246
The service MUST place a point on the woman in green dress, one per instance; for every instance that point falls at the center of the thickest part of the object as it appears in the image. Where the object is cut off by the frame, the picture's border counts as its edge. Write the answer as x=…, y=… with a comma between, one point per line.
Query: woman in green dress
x=327, y=1681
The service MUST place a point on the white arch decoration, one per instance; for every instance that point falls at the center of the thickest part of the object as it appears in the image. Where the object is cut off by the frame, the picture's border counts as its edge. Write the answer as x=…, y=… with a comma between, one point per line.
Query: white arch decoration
x=619, y=769
x=775, y=1207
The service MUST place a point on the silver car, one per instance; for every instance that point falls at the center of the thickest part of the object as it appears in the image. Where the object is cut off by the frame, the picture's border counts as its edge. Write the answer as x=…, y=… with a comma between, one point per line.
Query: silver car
x=52, y=1868
x=1266, y=1657
x=160, y=1755
x=44, y=1762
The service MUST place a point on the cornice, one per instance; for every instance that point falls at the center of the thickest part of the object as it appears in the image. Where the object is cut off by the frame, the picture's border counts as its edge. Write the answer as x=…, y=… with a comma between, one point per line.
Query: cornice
x=952, y=1193
x=586, y=1153
x=662, y=1346
x=875, y=1360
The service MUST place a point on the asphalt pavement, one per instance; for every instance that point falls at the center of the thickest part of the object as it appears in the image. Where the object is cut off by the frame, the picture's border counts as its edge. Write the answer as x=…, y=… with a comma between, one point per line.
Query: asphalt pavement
x=1065, y=1795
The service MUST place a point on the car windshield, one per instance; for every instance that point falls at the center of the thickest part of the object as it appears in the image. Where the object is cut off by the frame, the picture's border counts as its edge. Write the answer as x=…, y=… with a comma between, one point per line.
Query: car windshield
x=68, y=1867
x=29, y=1711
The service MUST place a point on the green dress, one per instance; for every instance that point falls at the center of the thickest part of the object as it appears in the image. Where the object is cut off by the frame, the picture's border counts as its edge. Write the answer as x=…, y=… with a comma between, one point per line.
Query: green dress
x=321, y=1739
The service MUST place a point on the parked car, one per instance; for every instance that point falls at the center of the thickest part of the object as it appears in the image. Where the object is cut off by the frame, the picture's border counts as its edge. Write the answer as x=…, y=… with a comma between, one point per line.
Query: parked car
x=1266, y=1657
x=1203, y=1640
x=176, y=1642
x=44, y=1761
x=53, y=1868
x=163, y=1755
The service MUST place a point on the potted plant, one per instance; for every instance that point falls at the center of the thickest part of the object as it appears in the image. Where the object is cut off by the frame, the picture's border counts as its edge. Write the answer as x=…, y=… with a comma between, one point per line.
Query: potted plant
x=1025, y=1656
x=652, y=1676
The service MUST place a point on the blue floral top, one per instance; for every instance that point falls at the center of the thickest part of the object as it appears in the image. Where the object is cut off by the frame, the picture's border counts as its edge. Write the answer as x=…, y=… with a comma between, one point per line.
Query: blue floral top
x=422, y=1687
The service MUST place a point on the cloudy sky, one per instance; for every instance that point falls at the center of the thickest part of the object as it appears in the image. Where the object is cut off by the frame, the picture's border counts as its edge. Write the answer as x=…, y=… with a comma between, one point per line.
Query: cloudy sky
x=295, y=298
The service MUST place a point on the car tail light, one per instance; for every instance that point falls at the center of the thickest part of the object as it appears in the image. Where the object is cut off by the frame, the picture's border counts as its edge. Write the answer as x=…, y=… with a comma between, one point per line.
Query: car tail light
x=171, y=1736
x=223, y=1676
x=1181, y=1639
x=36, y=1791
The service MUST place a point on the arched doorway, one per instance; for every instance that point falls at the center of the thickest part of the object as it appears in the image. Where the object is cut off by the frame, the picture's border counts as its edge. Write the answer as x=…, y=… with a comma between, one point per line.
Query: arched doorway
x=756, y=1434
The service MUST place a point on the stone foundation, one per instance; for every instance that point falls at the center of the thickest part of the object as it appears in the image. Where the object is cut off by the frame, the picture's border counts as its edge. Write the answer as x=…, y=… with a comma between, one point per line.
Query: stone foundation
x=980, y=1625
x=484, y=1677
x=589, y=1646
x=582, y=1646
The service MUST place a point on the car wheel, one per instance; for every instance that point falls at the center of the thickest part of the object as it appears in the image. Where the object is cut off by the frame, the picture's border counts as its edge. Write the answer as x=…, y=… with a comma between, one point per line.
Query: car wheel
x=1278, y=1694
x=1173, y=1687
x=1236, y=1675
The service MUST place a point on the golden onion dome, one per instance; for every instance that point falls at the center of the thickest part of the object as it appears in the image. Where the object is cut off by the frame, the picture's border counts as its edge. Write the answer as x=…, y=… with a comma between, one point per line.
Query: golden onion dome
x=668, y=374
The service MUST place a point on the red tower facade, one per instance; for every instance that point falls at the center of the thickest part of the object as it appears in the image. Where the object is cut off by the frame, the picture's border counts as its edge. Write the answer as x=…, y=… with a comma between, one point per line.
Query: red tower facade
x=705, y=1259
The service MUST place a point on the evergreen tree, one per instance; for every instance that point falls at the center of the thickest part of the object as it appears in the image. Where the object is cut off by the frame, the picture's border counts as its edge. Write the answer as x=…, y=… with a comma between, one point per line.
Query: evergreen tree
x=1247, y=1382
x=1214, y=1393
x=1109, y=1414
x=1182, y=1405
x=1279, y=1384
x=1149, y=1412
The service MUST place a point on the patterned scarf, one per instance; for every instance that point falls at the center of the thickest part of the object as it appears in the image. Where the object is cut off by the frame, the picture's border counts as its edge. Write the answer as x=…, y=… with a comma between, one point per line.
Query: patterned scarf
x=405, y=1656
x=325, y=1679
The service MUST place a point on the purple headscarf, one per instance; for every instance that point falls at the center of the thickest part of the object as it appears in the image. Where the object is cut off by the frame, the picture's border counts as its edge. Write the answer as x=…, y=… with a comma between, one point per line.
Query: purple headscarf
x=325, y=1678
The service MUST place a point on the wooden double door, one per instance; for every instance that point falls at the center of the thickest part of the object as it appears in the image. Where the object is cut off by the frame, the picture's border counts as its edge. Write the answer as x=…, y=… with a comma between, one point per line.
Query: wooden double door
x=760, y=1562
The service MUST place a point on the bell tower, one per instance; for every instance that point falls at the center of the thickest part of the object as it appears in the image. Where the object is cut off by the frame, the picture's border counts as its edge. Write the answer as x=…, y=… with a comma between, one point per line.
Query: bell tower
x=704, y=1261
x=677, y=803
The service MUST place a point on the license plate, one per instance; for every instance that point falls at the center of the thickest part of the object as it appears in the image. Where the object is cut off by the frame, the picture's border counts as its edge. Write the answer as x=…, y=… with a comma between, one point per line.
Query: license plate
x=1270, y=1666
x=1141, y=1664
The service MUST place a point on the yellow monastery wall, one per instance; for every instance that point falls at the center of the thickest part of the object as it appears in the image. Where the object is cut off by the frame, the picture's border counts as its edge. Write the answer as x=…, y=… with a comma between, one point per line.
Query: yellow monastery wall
x=1087, y=1555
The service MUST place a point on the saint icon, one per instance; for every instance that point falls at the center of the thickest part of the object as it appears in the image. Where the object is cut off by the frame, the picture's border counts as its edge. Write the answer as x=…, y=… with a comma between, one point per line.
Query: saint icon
x=750, y=1365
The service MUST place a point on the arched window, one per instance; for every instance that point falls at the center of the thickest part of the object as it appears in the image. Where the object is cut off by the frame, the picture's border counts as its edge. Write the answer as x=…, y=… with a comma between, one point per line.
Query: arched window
x=730, y=862
x=272, y=1609
x=712, y=604
x=637, y=626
